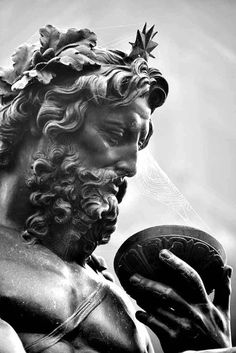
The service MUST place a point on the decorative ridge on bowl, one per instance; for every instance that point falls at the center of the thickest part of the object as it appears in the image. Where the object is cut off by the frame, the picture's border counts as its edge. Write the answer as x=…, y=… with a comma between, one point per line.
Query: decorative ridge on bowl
x=139, y=254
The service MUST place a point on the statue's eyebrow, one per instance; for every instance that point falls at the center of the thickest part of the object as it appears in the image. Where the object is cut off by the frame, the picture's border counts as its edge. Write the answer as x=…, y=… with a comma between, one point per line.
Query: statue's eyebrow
x=131, y=124
x=114, y=123
x=135, y=126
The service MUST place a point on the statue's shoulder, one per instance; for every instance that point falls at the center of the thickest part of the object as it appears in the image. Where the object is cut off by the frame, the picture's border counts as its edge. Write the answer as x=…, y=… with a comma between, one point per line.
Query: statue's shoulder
x=25, y=265
x=14, y=251
x=36, y=280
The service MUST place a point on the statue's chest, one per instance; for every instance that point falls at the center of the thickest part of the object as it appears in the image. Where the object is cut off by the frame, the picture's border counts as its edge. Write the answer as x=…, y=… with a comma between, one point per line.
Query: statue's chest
x=112, y=327
x=83, y=306
x=36, y=296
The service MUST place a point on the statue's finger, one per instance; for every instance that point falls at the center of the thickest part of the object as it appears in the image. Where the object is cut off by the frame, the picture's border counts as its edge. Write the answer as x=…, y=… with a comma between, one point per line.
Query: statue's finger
x=159, y=328
x=148, y=291
x=171, y=318
x=223, y=291
x=187, y=277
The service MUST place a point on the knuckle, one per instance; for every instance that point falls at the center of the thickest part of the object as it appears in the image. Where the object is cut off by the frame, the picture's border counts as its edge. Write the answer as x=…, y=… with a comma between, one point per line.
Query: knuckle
x=187, y=271
x=192, y=274
x=168, y=292
x=151, y=320
x=173, y=334
x=178, y=262
x=148, y=284
x=186, y=325
x=198, y=316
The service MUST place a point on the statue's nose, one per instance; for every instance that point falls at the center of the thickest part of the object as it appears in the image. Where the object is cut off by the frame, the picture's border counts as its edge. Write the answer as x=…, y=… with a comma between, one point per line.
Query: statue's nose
x=127, y=166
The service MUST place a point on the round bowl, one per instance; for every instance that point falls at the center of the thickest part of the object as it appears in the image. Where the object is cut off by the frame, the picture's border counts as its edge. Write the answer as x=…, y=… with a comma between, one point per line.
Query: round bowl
x=140, y=254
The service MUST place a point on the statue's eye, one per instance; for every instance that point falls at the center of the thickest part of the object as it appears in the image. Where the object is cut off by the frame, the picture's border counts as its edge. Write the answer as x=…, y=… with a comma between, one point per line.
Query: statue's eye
x=113, y=141
x=114, y=137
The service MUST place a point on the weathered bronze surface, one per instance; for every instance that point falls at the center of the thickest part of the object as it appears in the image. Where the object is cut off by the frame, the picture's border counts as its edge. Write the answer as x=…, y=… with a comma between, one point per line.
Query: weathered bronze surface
x=139, y=253
x=73, y=119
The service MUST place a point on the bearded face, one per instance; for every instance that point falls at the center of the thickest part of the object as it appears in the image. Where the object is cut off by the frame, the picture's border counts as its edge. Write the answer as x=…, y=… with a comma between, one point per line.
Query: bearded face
x=78, y=179
x=65, y=193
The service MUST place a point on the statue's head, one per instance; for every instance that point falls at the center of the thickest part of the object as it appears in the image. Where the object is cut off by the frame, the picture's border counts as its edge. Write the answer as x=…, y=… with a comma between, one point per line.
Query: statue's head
x=89, y=112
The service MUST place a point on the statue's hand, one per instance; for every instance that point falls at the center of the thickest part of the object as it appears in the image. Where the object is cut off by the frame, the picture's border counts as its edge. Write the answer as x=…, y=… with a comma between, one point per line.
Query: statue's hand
x=179, y=322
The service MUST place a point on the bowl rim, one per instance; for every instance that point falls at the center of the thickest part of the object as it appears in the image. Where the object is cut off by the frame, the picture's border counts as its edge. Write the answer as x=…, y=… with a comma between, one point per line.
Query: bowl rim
x=170, y=231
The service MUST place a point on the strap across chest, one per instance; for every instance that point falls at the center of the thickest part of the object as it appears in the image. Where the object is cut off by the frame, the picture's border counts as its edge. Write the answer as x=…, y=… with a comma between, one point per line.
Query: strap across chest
x=81, y=312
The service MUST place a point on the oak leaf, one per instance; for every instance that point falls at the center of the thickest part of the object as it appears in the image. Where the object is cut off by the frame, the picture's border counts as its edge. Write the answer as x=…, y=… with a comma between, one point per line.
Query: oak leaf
x=22, y=58
x=49, y=37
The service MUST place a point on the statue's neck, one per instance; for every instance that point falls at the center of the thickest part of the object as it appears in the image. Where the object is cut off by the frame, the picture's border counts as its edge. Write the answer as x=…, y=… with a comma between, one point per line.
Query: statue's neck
x=68, y=244
x=15, y=205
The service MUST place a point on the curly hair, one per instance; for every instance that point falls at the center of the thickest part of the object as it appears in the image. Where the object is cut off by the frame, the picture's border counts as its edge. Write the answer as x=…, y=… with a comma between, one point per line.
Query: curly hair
x=60, y=106
x=64, y=192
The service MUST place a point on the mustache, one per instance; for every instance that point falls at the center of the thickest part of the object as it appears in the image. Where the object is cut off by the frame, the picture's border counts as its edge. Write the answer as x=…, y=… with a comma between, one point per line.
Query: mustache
x=96, y=176
x=101, y=177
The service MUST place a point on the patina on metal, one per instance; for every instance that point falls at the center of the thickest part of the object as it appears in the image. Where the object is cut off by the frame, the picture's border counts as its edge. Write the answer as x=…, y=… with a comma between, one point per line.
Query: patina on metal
x=73, y=119
x=138, y=254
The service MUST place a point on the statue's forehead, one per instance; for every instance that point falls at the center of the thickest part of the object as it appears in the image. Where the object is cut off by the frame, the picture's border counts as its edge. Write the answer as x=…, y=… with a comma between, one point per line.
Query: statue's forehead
x=138, y=109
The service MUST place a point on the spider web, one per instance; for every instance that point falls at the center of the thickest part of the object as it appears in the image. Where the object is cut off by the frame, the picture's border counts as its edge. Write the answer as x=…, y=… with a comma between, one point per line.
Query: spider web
x=153, y=182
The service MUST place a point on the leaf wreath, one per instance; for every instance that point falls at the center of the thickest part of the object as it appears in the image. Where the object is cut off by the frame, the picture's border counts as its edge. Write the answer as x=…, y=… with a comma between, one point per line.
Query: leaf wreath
x=58, y=51
x=72, y=50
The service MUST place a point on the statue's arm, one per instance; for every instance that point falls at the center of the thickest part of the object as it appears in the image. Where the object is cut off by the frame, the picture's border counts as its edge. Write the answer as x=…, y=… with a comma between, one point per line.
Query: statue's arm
x=9, y=340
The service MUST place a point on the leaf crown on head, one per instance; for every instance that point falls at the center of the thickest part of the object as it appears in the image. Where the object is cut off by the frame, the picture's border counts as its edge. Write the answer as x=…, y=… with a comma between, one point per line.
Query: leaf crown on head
x=60, y=52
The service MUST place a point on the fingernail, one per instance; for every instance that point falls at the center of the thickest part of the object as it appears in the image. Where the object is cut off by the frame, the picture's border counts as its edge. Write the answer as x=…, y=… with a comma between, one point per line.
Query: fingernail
x=135, y=279
x=166, y=254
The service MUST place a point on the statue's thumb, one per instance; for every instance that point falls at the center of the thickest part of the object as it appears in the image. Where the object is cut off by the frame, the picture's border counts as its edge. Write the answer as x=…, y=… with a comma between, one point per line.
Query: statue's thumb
x=223, y=290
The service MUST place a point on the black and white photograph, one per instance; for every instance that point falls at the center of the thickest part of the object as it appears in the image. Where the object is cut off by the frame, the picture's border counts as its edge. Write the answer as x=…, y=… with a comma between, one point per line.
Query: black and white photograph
x=117, y=176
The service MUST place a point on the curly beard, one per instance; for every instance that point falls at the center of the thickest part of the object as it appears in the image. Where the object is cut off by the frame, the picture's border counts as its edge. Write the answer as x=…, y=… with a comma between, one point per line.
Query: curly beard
x=66, y=193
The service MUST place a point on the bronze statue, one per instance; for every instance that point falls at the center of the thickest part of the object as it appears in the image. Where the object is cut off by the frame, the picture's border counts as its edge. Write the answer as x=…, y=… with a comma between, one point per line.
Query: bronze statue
x=73, y=119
